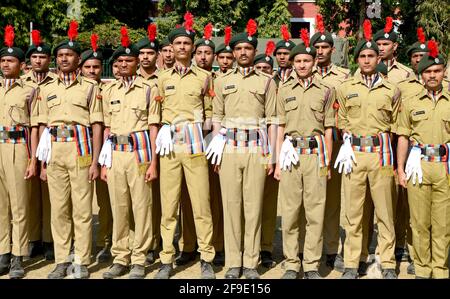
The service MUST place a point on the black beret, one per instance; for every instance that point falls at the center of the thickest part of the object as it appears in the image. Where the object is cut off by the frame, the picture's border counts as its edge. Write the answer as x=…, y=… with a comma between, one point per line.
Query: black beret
x=302, y=49
x=364, y=45
x=222, y=48
x=416, y=47
x=90, y=54
x=145, y=43
x=180, y=31
x=263, y=58
x=205, y=42
x=132, y=50
x=41, y=49
x=14, y=52
x=428, y=61
x=72, y=45
x=243, y=37
x=284, y=44
x=326, y=37
x=381, y=35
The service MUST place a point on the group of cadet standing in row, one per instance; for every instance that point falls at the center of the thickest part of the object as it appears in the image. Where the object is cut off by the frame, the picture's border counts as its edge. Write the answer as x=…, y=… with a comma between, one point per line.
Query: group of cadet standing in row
x=144, y=141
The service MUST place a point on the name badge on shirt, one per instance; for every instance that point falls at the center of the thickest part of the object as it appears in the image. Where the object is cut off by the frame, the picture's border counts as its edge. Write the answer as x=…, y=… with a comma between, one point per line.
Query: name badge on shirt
x=230, y=87
x=115, y=102
x=418, y=112
x=290, y=99
x=353, y=95
x=170, y=87
x=51, y=97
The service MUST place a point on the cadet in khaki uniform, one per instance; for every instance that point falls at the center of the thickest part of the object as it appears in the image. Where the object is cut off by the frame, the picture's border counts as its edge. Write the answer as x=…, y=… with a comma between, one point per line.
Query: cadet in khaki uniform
x=18, y=141
x=40, y=233
x=368, y=107
x=306, y=118
x=334, y=76
x=148, y=55
x=243, y=106
x=224, y=53
x=264, y=63
x=424, y=126
x=204, y=59
x=185, y=92
x=131, y=116
x=91, y=68
x=282, y=50
x=166, y=54
x=70, y=107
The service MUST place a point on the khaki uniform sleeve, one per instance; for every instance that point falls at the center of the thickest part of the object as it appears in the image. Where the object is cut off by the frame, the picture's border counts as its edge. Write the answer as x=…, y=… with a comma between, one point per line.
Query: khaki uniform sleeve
x=218, y=103
x=397, y=100
x=403, y=123
x=41, y=109
x=281, y=112
x=329, y=111
x=154, y=110
x=271, y=102
x=95, y=106
x=342, y=112
x=106, y=96
x=208, y=97
x=34, y=111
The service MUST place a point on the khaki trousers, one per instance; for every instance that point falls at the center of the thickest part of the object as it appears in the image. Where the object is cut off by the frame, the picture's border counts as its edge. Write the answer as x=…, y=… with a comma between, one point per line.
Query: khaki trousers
x=131, y=197
x=303, y=186
x=105, y=218
x=195, y=170
x=39, y=212
x=269, y=213
x=242, y=176
x=156, y=215
x=429, y=205
x=71, y=202
x=14, y=199
x=381, y=189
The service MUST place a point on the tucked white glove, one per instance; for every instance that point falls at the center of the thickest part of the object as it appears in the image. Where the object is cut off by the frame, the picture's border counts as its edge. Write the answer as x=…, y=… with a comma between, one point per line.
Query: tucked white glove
x=164, y=144
x=44, y=148
x=288, y=154
x=413, y=167
x=345, y=156
x=105, y=157
x=216, y=146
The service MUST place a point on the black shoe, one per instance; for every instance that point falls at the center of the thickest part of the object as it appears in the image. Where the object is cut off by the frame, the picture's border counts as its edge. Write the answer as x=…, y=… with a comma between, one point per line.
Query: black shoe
x=312, y=275
x=207, y=271
x=330, y=260
x=115, y=271
x=411, y=270
x=5, y=263
x=184, y=258
x=137, y=272
x=401, y=255
x=389, y=274
x=78, y=271
x=233, y=273
x=362, y=268
x=219, y=259
x=267, y=260
x=350, y=274
x=164, y=272
x=150, y=258
x=290, y=274
x=16, y=270
x=104, y=255
x=59, y=272
x=251, y=273
x=49, y=252
x=35, y=249
x=339, y=263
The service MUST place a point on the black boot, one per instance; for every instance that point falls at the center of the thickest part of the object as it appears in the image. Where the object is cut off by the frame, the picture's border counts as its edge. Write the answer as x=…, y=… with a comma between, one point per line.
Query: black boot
x=5, y=262
x=49, y=252
x=184, y=258
x=16, y=271
x=35, y=249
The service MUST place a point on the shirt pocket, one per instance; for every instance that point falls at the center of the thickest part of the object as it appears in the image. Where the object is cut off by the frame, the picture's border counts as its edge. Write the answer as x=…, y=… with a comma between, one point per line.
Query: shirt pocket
x=353, y=107
x=290, y=103
x=317, y=108
x=228, y=91
x=259, y=94
x=80, y=101
x=53, y=101
x=446, y=121
x=18, y=112
x=384, y=109
x=419, y=119
x=139, y=109
x=114, y=106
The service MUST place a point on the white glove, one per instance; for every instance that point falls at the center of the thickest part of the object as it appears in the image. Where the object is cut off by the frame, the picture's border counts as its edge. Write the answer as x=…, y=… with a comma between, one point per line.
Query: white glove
x=413, y=166
x=105, y=157
x=44, y=149
x=345, y=156
x=288, y=154
x=164, y=144
x=216, y=146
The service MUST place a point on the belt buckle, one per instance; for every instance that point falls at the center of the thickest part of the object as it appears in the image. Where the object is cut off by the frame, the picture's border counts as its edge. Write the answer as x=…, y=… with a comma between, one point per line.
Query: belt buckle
x=430, y=151
x=302, y=143
x=122, y=139
x=241, y=136
x=63, y=132
x=179, y=136
x=3, y=135
x=366, y=142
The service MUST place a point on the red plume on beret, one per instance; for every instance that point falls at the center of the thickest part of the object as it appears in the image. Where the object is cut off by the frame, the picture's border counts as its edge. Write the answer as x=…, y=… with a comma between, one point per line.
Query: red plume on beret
x=389, y=24
x=151, y=32
x=285, y=32
x=207, y=32
x=94, y=40
x=367, y=26
x=304, y=35
x=125, y=40
x=251, y=27
x=270, y=47
x=36, y=37
x=433, y=48
x=421, y=35
x=227, y=35
x=9, y=36
x=319, y=23
x=188, y=21
x=73, y=30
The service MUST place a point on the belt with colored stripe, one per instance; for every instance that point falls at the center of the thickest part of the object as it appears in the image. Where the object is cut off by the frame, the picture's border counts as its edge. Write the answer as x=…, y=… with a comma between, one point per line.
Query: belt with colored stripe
x=65, y=132
x=305, y=142
x=243, y=135
x=438, y=151
x=5, y=135
x=122, y=140
x=366, y=141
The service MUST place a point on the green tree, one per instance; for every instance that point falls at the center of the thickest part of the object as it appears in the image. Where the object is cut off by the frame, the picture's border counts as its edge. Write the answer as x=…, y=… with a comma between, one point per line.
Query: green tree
x=272, y=16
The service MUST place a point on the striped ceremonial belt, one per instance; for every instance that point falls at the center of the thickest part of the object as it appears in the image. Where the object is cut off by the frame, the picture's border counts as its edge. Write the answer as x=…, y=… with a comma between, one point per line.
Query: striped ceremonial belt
x=81, y=135
x=249, y=138
x=137, y=142
x=190, y=134
x=381, y=144
x=16, y=135
x=319, y=149
x=435, y=153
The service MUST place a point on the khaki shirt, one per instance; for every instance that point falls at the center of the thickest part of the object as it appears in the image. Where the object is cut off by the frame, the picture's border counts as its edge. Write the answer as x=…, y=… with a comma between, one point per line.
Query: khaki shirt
x=153, y=78
x=423, y=120
x=244, y=102
x=305, y=112
x=364, y=111
x=18, y=104
x=79, y=103
x=131, y=110
x=29, y=77
x=335, y=77
x=398, y=72
x=410, y=86
x=187, y=98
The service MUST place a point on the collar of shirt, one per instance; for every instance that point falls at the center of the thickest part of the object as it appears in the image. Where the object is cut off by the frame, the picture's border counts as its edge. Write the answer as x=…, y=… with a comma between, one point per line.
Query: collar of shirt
x=370, y=80
x=284, y=73
x=182, y=70
x=435, y=95
x=68, y=78
x=154, y=74
x=389, y=63
x=7, y=83
x=40, y=77
x=324, y=70
x=245, y=70
x=305, y=83
x=128, y=81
